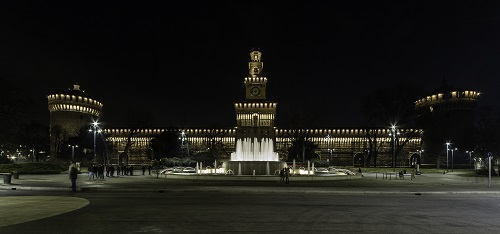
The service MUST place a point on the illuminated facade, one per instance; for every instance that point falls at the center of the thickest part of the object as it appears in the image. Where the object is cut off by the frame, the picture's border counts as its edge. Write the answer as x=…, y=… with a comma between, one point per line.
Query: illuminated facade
x=447, y=115
x=344, y=147
x=255, y=118
x=69, y=112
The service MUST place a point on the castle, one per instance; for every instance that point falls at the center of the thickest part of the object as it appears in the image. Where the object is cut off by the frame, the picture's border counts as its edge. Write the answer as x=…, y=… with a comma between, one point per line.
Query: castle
x=72, y=110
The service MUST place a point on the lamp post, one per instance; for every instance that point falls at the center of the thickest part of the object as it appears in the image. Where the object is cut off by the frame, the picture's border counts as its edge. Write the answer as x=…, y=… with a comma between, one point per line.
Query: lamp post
x=452, y=158
x=417, y=163
x=94, y=127
x=32, y=154
x=447, y=149
x=183, y=139
x=393, y=134
x=73, y=152
x=328, y=137
x=470, y=157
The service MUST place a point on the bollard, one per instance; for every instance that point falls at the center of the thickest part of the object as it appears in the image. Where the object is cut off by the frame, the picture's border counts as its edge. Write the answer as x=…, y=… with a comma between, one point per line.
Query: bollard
x=7, y=178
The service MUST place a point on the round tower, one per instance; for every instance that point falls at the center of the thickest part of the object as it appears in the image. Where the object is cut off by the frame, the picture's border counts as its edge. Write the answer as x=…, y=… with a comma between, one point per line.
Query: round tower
x=447, y=115
x=69, y=112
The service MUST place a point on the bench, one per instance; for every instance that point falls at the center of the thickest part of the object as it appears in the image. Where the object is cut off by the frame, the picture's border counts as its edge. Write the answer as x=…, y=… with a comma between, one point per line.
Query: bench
x=396, y=175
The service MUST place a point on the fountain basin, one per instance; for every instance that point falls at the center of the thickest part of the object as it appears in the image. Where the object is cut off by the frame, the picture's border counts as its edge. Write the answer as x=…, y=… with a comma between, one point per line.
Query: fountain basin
x=257, y=167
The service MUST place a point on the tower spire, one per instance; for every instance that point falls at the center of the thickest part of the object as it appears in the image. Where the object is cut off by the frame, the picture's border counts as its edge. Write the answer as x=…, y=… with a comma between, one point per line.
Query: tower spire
x=255, y=65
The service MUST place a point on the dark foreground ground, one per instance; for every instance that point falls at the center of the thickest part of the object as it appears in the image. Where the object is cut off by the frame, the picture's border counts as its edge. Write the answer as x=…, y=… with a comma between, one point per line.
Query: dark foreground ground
x=435, y=203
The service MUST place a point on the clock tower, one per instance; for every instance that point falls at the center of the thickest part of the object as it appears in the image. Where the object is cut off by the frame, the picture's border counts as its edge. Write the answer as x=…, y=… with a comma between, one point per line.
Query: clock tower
x=255, y=83
x=255, y=116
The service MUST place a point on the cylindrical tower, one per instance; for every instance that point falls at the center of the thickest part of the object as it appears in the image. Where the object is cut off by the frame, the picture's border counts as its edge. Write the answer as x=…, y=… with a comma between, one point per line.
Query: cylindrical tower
x=446, y=115
x=69, y=112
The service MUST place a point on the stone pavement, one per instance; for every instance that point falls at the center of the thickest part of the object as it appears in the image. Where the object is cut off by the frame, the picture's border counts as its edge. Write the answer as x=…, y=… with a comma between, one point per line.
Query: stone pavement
x=368, y=183
x=18, y=209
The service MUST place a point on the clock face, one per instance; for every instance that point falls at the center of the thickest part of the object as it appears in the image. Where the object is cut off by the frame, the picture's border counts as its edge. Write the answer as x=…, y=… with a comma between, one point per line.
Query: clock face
x=255, y=91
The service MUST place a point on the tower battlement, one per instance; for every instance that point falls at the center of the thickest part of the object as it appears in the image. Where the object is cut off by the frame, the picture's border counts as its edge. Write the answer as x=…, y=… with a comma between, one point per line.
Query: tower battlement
x=74, y=100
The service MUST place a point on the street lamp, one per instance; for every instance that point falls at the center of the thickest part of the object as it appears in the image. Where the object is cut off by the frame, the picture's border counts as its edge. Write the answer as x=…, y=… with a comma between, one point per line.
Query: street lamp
x=94, y=127
x=328, y=137
x=73, y=152
x=183, y=139
x=452, y=158
x=32, y=154
x=447, y=149
x=417, y=164
x=470, y=157
x=393, y=134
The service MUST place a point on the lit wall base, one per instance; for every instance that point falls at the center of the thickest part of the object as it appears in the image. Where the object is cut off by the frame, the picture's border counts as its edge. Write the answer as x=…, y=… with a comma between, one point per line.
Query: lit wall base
x=248, y=167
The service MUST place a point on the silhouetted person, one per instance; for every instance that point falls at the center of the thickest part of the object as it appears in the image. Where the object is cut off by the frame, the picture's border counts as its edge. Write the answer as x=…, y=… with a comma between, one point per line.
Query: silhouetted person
x=100, y=172
x=282, y=175
x=287, y=175
x=73, y=175
x=94, y=171
x=91, y=172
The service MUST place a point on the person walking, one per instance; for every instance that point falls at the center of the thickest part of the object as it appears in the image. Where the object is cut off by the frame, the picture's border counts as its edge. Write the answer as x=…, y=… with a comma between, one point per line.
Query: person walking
x=112, y=170
x=91, y=172
x=282, y=175
x=73, y=175
x=287, y=175
x=94, y=171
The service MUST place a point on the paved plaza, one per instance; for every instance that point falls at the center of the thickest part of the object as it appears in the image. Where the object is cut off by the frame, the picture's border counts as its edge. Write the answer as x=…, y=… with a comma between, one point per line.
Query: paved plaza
x=15, y=209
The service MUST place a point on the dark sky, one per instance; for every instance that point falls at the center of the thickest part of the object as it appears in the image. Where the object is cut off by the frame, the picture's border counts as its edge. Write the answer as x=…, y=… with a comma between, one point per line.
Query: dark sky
x=186, y=60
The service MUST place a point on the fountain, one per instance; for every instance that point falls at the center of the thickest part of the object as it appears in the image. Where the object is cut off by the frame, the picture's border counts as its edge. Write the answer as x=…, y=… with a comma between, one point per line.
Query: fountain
x=254, y=157
x=254, y=153
x=254, y=150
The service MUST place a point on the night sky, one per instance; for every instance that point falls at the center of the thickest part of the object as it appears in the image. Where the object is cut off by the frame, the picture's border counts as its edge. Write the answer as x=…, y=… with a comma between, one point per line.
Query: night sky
x=186, y=61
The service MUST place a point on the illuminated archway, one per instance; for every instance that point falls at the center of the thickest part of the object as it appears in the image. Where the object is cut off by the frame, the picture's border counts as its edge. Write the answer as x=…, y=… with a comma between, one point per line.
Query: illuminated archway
x=358, y=160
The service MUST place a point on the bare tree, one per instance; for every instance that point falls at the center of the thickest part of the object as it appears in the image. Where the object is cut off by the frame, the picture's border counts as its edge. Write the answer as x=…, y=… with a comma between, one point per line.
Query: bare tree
x=165, y=145
x=216, y=149
x=136, y=118
x=387, y=107
x=374, y=145
x=35, y=137
x=15, y=110
x=487, y=131
x=59, y=137
x=302, y=147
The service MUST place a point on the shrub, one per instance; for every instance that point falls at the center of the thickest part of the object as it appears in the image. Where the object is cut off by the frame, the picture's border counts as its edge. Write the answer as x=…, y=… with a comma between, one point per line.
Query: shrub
x=484, y=172
x=5, y=160
x=33, y=168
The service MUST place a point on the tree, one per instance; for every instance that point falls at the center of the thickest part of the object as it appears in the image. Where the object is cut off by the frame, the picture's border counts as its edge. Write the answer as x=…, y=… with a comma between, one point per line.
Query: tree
x=59, y=138
x=136, y=118
x=215, y=147
x=387, y=107
x=374, y=145
x=165, y=145
x=487, y=131
x=302, y=148
x=35, y=137
x=15, y=112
